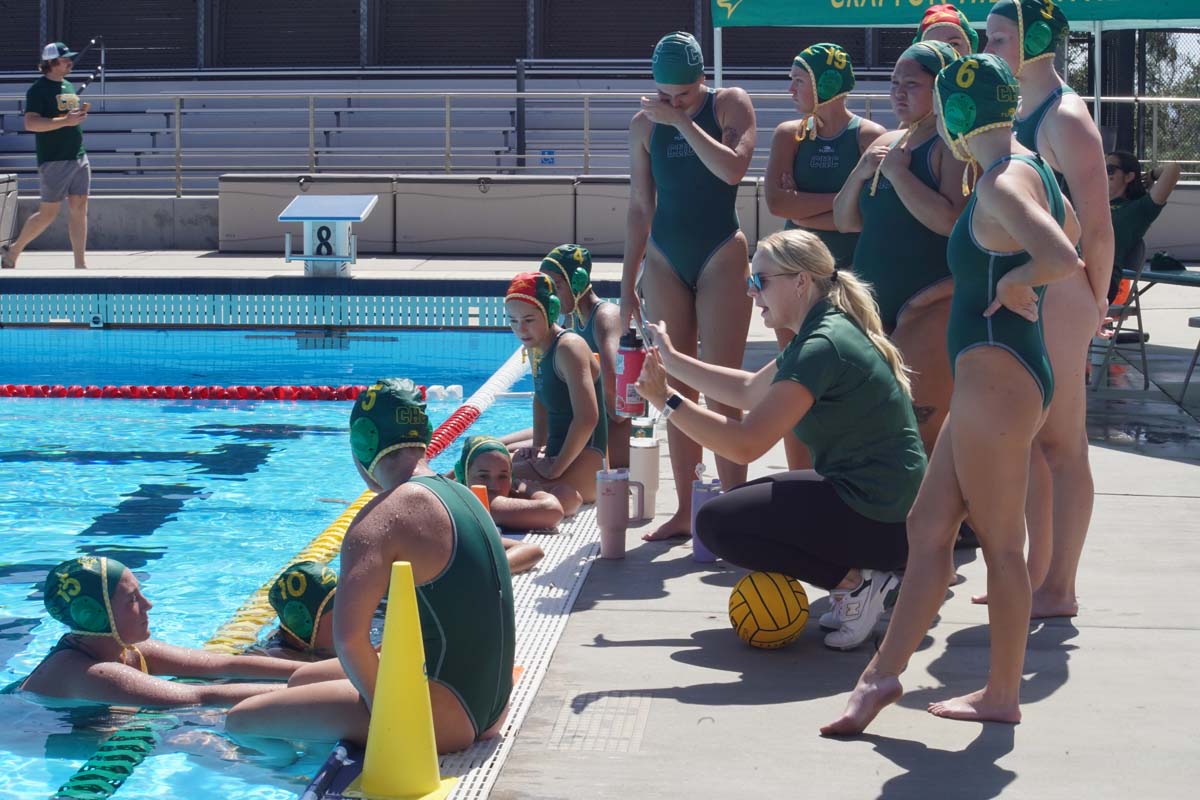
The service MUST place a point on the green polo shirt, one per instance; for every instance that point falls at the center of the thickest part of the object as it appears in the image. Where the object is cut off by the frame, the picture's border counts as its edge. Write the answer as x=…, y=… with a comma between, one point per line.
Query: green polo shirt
x=1131, y=220
x=861, y=430
x=53, y=99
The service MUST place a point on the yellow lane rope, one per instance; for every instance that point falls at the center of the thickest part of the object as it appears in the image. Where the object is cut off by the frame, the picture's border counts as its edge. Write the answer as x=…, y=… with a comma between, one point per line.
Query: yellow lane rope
x=243, y=627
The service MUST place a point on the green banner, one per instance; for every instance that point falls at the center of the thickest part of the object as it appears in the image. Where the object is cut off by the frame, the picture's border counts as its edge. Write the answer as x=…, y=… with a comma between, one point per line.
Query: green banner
x=853, y=13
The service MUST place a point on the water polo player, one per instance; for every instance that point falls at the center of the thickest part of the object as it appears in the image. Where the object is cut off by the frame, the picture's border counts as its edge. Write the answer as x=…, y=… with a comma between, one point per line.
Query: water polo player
x=463, y=587
x=599, y=323
x=109, y=657
x=570, y=427
x=811, y=158
x=908, y=188
x=689, y=148
x=1016, y=235
x=303, y=597
x=1055, y=123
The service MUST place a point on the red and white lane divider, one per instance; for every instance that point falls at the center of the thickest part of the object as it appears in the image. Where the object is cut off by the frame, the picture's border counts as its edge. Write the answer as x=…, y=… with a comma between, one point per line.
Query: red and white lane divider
x=131, y=392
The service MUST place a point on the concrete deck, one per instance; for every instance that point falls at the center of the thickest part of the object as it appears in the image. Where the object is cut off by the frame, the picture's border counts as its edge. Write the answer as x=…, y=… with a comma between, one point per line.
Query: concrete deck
x=651, y=694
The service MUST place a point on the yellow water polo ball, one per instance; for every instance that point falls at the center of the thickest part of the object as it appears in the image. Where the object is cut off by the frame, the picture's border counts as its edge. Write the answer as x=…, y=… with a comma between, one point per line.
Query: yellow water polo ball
x=768, y=609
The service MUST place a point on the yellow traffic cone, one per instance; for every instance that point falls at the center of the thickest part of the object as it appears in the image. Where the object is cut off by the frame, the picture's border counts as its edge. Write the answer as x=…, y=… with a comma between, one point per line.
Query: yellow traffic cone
x=401, y=761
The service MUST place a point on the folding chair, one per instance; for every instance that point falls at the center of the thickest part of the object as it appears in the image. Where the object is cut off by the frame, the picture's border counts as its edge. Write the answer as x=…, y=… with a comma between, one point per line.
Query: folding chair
x=1193, y=322
x=1130, y=310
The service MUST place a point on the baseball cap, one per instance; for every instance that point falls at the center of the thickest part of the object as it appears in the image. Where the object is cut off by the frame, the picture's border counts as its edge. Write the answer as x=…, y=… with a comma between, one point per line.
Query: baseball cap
x=57, y=50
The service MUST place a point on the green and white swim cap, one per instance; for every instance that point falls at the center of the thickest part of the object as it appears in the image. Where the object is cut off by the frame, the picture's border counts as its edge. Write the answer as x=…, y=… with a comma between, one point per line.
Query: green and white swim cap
x=975, y=94
x=829, y=67
x=473, y=447
x=78, y=593
x=677, y=59
x=301, y=596
x=387, y=417
x=1041, y=26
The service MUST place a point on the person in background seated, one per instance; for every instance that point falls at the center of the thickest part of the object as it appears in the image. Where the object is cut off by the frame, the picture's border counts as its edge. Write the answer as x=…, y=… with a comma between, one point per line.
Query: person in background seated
x=464, y=596
x=842, y=388
x=599, y=323
x=1135, y=200
x=570, y=428
x=485, y=461
x=109, y=657
x=302, y=596
x=945, y=23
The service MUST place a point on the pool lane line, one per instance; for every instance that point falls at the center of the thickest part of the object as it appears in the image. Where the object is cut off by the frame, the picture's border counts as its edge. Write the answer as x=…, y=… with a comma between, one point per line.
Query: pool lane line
x=95, y=780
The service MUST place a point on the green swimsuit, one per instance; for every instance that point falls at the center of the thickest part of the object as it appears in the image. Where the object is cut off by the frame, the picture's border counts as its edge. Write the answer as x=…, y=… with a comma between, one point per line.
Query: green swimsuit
x=466, y=612
x=555, y=397
x=1026, y=129
x=695, y=212
x=896, y=253
x=588, y=329
x=822, y=167
x=977, y=270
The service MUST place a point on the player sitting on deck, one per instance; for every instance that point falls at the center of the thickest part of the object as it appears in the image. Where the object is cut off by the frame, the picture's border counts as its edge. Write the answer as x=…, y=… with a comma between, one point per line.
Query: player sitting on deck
x=109, y=657
x=485, y=461
x=463, y=587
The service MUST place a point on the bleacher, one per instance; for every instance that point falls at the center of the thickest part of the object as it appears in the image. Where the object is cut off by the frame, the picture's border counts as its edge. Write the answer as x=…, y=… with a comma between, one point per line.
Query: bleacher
x=240, y=125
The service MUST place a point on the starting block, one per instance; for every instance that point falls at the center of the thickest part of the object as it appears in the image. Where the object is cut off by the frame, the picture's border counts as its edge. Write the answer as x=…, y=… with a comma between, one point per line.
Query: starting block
x=329, y=245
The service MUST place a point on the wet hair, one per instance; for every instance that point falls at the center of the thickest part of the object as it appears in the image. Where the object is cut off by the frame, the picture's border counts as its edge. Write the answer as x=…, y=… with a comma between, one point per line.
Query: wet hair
x=798, y=250
x=1128, y=162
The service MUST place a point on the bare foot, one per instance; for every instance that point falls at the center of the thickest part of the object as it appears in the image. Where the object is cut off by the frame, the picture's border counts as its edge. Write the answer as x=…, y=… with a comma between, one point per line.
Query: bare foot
x=7, y=261
x=977, y=707
x=678, y=525
x=81, y=266
x=1043, y=606
x=1048, y=605
x=873, y=693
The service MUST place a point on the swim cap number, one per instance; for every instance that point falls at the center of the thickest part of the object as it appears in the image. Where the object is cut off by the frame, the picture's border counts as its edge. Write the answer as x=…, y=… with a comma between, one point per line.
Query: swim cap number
x=835, y=58
x=1048, y=11
x=369, y=403
x=966, y=73
x=578, y=255
x=294, y=584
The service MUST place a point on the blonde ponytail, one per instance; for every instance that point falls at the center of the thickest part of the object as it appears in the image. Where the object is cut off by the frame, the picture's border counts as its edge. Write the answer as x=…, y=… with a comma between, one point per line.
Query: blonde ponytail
x=799, y=250
x=854, y=299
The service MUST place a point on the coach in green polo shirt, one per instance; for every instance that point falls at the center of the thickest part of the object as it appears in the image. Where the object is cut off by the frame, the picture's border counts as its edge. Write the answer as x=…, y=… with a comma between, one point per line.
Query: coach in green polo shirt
x=54, y=114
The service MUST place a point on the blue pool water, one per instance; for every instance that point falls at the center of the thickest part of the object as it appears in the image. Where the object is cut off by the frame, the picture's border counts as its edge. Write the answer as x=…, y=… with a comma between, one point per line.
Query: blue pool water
x=255, y=357
x=203, y=500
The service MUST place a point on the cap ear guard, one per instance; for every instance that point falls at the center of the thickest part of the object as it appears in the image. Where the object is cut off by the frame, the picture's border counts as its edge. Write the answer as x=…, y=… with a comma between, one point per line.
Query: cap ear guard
x=574, y=263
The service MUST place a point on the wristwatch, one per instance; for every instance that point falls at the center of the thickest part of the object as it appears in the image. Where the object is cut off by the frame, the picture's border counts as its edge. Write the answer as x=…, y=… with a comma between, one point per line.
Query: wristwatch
x=674, y=400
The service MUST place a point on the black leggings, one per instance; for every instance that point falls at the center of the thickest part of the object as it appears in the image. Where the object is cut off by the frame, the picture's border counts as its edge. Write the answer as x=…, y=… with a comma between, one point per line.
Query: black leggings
x=795, y=523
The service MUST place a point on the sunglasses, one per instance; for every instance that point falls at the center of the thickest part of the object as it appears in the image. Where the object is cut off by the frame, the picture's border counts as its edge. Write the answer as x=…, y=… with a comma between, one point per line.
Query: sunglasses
x=1112, y=169
x=757, y=281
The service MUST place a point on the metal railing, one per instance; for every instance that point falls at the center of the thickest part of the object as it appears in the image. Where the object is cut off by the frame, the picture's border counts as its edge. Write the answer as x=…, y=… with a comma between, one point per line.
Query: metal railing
x=570, y=133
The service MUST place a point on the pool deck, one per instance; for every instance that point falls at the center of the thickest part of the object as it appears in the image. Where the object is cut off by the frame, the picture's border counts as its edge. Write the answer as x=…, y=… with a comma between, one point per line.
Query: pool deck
x=650, y=694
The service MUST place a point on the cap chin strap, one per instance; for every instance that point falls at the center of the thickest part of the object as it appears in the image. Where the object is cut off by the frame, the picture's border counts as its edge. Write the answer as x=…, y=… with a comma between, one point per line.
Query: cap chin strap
x=311, y=642
x=903, y=140
x=112, y=622
x=810, y=122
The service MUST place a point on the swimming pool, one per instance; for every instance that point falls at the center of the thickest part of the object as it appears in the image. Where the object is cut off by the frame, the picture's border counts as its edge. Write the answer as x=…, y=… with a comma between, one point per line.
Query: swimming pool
x=204, y=500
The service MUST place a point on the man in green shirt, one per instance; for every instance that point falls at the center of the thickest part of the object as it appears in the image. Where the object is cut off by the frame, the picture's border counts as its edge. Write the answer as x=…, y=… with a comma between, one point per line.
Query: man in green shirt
x=53, y=114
